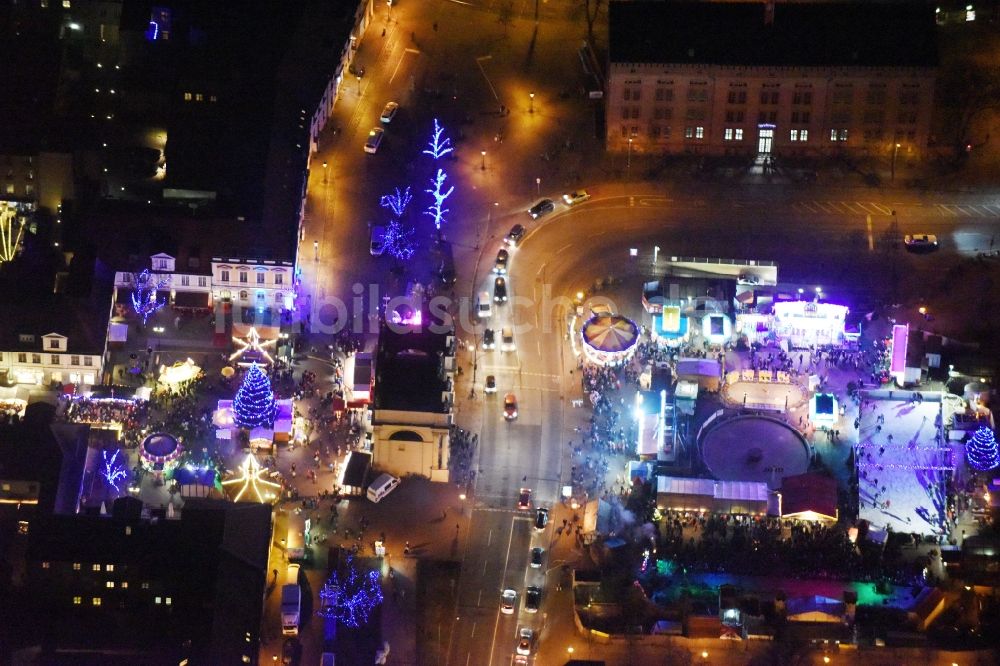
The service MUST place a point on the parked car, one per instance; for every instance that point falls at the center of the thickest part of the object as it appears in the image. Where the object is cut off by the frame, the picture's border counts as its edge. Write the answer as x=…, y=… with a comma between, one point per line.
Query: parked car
x=541, y=518
x=377, y=245
x=491, y=384
x=532, y=599
x=524, y=639
x=484, y=306
x=536, y=557
x=916, y=242
x=515, y=235
x=543, y=207
x=500, y=290
x=389, y=112
x=374, y=140
x=489, y=339
x=510, y=406
x=500, y=266
x=507, y=601
x=524, y=499
x=576, y=197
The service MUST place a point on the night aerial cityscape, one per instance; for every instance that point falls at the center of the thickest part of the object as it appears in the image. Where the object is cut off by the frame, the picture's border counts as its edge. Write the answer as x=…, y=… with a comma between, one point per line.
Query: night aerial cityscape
x=499, y=332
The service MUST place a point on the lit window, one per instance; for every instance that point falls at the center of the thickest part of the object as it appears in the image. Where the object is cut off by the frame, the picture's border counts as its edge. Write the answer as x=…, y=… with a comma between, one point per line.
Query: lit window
x=833, y=135
x=169, y=601
x=128, y=530
x=96, y=601
x=77, y=601
x=803, y=135
x=727, y=135
x=739, y=133
x=76, y=566
x=794, y=135
x=699, y=132
x=842, y=135
x=109, y=584
x=124, y=585
x=145, y=586
x=158, y=600
x=199, y=97
x=688, y=132
x=188, y=97
x=67, y=4
x=45, y=565
x=109, y=567
x=95, y=567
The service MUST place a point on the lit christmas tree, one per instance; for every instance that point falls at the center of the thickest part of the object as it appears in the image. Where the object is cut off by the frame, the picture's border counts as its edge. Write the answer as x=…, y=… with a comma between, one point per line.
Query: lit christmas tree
x=981, y=450
x=350, y=599
x=253, y=406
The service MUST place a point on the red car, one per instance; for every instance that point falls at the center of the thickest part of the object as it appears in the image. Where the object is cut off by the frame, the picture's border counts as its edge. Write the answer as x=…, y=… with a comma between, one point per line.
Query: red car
x=510, y=406
x=524, y=499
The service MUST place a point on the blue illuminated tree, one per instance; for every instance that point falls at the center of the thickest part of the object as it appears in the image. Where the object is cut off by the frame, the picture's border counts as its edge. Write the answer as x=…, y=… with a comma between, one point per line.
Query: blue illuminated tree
x=436, y=210
x=253, y=406
x=350, y=598
x=113, y=469
x=397, y=201
x=981, y=450
x=438, y=146
x=398, y=240
x=144, y=288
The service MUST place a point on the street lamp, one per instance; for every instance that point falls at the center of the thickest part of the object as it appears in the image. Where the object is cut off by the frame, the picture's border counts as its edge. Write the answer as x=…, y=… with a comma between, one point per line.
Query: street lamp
x=325, y=165
x=538, y=186
x=316, y=250
x=483, y=164
x=531, y=108
x=359, y=85
x=895, y=150
x=656, y=253
x=628, y=160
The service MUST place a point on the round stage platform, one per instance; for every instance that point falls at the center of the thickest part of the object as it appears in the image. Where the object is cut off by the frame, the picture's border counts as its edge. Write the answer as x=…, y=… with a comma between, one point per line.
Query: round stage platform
x=754, y=448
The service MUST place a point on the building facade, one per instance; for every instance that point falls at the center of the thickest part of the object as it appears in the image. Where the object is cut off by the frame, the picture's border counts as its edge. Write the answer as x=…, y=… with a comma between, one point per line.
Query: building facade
x=254, y=283
x=752, y=79
x=41, y=359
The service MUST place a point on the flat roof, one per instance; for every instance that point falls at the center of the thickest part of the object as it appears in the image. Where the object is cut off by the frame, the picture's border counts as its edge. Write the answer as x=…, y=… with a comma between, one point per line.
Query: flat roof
x=408, y=374
x=859, y=34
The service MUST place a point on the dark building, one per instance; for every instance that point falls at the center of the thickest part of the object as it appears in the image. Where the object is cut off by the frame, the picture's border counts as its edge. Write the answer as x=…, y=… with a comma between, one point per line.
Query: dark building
x=133, y=586
x=748, y=78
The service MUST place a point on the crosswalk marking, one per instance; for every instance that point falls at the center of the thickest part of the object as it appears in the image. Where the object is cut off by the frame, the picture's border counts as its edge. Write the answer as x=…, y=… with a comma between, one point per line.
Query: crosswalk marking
x=880, y=209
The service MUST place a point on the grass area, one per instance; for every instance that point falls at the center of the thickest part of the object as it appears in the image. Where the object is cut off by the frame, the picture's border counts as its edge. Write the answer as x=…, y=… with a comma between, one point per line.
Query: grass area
x=437, y=589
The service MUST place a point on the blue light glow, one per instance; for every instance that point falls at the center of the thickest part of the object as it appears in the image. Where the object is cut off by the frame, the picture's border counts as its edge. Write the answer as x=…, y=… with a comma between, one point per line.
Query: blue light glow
x=144, y=300
x=253, y=406
x=113, y=470
x=352, y=599
x=438, y=147
x=397, y=201
x=398, y=240
x=435, y=210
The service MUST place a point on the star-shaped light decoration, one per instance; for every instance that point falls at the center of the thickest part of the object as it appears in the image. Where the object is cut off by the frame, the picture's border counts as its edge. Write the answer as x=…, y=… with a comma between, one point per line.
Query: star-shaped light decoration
x=252, y=343
x=252, y=478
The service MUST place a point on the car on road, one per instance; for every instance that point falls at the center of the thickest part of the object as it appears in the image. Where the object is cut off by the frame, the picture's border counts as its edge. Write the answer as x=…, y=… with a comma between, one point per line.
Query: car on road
x=508, y=599
x=491, y=384
x=515, y=235
x=524, y=499
x=377, y=244
x=500, y=290
x=290, y=651
x=536, y=557
x=915, y=242
x=543, y=207
x=389, y=112
x=374, y=140
x=520, y=660
x=576, y=197
x=507, y=339
x=489, y=339
x=524, y=638
x=532, y=599
x=500, y=266
x=484, y=306
x=541, y=518
x=510, y=406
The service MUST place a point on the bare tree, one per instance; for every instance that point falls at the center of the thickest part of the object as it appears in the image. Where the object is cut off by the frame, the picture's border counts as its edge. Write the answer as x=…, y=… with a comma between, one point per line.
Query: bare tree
x=506, y=15
x=592, y=9
x=971, y=90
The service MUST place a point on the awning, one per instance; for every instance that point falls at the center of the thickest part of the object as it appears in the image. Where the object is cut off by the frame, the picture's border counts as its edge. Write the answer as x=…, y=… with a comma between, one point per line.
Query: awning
x=192, y=299
x=356, y=471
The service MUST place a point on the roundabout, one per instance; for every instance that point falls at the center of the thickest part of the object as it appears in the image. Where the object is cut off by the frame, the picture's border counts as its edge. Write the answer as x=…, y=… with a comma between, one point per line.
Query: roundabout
x=753, y=448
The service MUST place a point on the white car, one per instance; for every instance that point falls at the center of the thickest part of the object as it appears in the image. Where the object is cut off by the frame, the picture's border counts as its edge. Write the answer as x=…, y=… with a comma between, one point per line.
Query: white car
x=377, y=246
x=573, y=198
x=524, y=641
x=389, y=112
x=507, y=339
x=507, y=601
x=374, y=140
x=920, y=241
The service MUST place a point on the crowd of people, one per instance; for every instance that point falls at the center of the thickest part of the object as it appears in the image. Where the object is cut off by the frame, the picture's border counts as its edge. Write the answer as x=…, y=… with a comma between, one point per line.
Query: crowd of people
x=463, y=449
x=130, y=414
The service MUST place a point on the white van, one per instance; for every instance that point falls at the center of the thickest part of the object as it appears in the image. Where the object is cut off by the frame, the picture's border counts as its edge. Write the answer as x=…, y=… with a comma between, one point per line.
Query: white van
x=484, y=306
x=382, y=486
x=292, y=575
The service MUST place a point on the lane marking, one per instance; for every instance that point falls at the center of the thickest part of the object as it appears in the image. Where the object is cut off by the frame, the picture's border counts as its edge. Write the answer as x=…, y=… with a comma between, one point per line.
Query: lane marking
x=496, y=626
x=400, y=62
x=871, y=237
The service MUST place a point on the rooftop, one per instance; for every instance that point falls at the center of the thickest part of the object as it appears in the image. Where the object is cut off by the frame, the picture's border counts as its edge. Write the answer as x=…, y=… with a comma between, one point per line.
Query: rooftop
x=409, y=369
x=815, y=34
